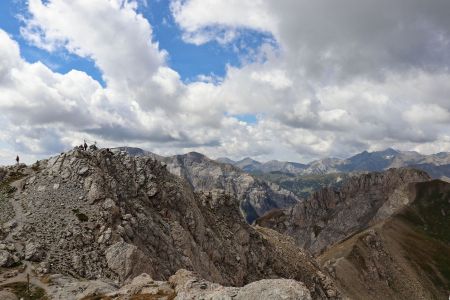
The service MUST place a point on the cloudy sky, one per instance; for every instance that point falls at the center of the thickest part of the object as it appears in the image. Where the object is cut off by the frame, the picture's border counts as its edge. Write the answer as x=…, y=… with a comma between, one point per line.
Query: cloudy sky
x=292, y=79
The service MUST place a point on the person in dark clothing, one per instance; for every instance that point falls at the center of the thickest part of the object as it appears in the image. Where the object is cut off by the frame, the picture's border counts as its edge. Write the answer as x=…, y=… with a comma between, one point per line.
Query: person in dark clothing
x=85, y=146
x=17, y=159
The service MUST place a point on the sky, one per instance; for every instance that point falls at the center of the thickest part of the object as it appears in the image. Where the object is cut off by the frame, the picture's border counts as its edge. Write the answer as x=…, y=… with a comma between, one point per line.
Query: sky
x=291, y=80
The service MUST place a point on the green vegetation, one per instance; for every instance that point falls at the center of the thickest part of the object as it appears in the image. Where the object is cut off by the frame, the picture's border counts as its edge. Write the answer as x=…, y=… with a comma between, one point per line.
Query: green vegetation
x=303, y=185
x=430, y=212
x=430, y=217
x=20, y=290
x=81, y=216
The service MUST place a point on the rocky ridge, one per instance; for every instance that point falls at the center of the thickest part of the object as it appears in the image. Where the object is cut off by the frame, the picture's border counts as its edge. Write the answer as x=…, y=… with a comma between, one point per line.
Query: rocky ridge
x=94, y=214
x=331, y=215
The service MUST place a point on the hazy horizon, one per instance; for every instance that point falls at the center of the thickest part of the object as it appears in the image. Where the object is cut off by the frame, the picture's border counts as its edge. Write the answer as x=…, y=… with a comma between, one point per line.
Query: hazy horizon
x=235, y=159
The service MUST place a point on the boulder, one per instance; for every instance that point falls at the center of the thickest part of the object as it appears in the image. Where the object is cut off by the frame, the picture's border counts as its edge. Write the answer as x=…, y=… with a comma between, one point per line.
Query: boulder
x=34, y=252
x=6, y=259
x=83, y=171
x=274, y=289
x=126, y=260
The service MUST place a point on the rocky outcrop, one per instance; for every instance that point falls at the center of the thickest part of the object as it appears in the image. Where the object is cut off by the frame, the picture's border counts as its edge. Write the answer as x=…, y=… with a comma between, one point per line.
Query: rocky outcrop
x=6, y=259
x=331, y=215
x=126, y=260
x=102, y=215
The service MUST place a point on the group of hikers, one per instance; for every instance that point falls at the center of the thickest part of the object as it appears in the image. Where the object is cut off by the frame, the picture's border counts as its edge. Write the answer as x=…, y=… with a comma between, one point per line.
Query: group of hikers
x=83, y=147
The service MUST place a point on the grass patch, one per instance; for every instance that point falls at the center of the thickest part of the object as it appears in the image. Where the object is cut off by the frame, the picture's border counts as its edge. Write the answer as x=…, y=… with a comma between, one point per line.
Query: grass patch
x=429, y=216
x=20, y=290
x=81, y=216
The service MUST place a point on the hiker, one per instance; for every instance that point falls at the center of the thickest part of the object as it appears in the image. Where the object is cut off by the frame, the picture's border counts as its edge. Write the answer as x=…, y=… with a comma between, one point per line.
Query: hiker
x=85, y=145
x=17, y=159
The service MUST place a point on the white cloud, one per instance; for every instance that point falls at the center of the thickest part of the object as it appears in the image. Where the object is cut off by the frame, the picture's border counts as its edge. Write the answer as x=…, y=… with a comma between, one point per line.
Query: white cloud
x=343, y=77
x=204, y=21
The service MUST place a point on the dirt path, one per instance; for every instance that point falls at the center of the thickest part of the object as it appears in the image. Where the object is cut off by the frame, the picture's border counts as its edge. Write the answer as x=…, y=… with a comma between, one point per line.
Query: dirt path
x=19, y=217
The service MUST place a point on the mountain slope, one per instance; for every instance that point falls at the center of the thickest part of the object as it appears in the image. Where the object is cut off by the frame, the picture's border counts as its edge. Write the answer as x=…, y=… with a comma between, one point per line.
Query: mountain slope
x=94, y=214
x=406, y=256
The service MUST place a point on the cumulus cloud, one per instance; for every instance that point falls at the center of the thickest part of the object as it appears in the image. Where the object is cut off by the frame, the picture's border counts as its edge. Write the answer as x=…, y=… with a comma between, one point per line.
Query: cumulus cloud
x=345, y=75
x=143, y=103
x=337, y=78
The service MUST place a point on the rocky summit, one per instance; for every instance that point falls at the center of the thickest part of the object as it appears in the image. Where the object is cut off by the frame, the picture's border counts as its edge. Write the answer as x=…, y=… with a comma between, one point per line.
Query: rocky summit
x=109, y=217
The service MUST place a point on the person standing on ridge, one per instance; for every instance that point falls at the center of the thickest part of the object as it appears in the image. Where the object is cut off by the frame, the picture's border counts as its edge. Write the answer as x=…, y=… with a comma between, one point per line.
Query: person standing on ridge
x=17, y=159
x=85, y=145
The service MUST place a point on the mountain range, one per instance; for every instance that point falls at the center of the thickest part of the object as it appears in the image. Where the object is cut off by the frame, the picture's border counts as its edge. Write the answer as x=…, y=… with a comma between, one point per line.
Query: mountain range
x=437, y=165
x=125, y=223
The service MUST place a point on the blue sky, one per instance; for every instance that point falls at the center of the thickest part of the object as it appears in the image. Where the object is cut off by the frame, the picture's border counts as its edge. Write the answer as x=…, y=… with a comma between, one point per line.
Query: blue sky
x=60, y=61
x=189, y=60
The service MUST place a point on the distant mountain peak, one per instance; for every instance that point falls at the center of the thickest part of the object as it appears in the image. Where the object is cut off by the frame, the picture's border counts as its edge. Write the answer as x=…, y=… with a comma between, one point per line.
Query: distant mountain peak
x=225, y=160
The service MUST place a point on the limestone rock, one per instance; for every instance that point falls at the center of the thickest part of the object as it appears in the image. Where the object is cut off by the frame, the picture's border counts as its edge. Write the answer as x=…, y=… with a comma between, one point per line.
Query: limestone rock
x=83, y=171
x=34, y=252
x=126, y=260
x=6, y=259
x=64, y=287
x=275, y=289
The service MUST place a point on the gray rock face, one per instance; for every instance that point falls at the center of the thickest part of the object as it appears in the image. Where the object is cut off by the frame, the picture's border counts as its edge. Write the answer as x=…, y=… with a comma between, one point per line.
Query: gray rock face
x=6, y=259
x=331, y=215
x=276, y=289
x=34, y=252
x=127, y=260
